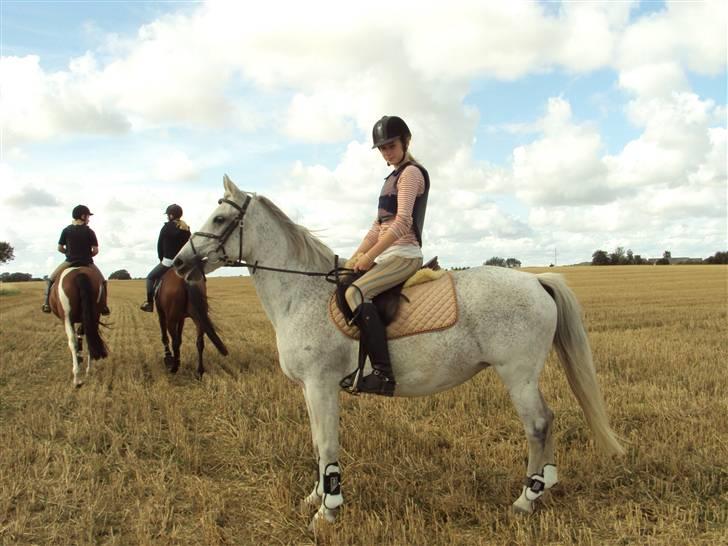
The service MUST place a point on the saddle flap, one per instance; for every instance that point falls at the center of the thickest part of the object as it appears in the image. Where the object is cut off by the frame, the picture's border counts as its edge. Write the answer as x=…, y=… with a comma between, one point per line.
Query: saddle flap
x=425, y=307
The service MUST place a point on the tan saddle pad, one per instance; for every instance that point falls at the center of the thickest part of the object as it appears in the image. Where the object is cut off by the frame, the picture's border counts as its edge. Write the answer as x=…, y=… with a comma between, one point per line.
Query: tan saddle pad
x=432, y=306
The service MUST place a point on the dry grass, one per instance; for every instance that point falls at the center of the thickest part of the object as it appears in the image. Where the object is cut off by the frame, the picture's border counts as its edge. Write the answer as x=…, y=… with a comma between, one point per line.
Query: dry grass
x=139, y=457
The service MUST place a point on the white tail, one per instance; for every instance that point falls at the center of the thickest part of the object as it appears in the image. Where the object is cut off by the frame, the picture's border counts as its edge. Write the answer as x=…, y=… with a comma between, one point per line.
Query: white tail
x=572, y=346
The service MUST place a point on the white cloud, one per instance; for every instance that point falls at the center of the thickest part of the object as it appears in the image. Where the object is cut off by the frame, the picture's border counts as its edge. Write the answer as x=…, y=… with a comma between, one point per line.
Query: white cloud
x=564, y=166
x=323, y=72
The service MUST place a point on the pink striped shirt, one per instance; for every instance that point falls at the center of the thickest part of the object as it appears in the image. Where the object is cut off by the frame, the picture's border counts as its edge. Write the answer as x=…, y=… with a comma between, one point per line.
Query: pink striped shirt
x=411, y=183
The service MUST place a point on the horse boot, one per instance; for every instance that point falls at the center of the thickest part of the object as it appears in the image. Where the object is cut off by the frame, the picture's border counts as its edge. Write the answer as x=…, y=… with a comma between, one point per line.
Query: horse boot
x=381, y=380
x=104, y=303
x=46, y=307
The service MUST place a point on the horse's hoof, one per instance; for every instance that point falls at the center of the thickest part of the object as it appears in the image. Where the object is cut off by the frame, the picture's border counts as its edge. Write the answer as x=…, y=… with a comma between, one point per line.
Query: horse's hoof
x=312, y=501
x=323, y=517
x=78, y=385
x=169, y=362
x=523, y=505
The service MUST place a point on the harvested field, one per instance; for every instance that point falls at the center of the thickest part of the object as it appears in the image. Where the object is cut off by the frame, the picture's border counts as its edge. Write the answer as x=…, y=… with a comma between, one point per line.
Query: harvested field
x=137, y=456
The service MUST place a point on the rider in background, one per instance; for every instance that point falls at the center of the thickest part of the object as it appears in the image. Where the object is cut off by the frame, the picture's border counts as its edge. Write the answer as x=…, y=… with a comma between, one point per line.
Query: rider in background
x=391, y=251
x=173, y=236
x=78, y=242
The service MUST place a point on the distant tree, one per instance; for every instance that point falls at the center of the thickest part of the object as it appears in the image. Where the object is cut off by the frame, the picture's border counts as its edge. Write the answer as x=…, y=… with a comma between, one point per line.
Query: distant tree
x=495, y=260
x=639, y=260
x=121, y=274
x=630, y=257
x=16, y=277
x=600, y=257
x=7, y=252
x=665, y=260
x=717, y=258
x=512, y=262
x=617, y=257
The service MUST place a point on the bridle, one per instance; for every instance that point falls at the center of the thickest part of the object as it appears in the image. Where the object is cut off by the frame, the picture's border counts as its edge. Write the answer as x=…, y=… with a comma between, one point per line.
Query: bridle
x=332, y=276
x=225, y=235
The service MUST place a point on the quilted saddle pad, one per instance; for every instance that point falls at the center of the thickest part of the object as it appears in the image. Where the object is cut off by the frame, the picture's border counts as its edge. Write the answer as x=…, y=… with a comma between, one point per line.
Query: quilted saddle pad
x=432, y=306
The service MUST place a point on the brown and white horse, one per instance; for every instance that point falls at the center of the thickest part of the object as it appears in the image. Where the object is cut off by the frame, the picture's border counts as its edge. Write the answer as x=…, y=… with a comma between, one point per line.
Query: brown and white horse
x=75, y=299
x=176, y=300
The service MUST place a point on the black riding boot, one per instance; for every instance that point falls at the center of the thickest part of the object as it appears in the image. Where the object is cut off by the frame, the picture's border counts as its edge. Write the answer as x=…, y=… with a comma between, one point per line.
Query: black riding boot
x=381, y=380
x=46, y=308
x=148, y=305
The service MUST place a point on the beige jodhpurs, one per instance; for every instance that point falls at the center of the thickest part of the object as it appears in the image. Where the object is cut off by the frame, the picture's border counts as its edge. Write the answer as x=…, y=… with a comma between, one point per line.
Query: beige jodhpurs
x=379, y=278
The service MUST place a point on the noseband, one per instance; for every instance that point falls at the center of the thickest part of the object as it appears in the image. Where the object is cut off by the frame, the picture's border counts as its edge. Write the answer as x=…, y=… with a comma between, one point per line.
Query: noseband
x=225, y=235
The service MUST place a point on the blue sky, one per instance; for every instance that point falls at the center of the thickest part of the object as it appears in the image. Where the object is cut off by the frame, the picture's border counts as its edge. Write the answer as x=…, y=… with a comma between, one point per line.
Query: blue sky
x=568, y=126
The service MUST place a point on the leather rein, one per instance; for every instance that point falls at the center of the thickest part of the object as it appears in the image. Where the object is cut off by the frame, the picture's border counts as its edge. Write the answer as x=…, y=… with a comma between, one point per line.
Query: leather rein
x=331, y=276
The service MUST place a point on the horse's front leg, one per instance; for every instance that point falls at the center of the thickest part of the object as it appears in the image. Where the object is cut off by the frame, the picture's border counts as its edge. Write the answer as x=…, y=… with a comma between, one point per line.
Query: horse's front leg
x=322, y=400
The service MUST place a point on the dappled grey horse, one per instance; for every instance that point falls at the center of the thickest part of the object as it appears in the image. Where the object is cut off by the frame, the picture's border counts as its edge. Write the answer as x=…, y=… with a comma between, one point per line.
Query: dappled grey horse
x=508, y=320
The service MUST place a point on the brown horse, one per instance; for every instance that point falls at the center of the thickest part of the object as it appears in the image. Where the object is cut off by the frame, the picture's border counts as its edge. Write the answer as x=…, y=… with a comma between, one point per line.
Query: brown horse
x=75, y=299
x=176, y=300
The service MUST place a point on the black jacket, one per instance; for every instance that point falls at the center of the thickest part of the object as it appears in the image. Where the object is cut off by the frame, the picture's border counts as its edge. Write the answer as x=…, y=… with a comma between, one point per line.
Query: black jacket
x=172, y=238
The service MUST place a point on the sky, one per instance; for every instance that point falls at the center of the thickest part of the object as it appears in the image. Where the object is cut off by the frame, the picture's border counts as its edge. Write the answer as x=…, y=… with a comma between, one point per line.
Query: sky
x=550, y=129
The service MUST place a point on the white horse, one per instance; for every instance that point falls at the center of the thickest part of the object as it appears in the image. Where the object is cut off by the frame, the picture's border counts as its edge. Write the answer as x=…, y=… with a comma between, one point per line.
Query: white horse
x=508, y=320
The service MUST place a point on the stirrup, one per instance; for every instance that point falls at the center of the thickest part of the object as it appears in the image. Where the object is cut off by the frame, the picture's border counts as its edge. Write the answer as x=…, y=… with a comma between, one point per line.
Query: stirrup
x=147, y=306
x=374, y=383
x=105, y=310
x=45, y=308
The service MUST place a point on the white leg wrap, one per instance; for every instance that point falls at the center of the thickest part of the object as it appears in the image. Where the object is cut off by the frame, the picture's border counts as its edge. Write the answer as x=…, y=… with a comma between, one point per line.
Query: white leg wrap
x=550, y=476
x=332, y=487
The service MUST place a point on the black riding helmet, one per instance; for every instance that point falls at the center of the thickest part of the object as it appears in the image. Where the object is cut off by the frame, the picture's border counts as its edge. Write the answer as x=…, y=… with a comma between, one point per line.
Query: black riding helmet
x=79, y=211
x=174, y=210
x=388, y=129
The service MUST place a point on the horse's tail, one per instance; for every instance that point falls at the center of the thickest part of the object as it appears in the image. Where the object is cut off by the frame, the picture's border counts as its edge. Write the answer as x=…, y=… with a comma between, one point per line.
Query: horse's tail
x=198, y=310
x=572, y=346
x=89, y=318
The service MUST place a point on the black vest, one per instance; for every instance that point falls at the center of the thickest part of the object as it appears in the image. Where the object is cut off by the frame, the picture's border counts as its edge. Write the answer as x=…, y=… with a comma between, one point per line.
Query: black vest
x=388, y=199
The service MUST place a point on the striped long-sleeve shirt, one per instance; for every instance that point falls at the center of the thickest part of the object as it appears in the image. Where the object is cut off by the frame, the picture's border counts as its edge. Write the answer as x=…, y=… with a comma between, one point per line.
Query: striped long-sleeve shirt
x=411, y=183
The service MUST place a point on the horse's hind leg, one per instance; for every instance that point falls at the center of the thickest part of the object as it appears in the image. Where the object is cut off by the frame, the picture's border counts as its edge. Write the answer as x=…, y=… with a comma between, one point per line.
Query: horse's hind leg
x=73, y=346
x=200, y=349
x=165, y=338
x=537, y=421
x=176, y=331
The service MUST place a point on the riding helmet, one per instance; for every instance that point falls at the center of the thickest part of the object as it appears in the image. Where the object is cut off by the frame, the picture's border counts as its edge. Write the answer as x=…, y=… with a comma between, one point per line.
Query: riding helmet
x=388, y=129
x=174, y=210
x=79, y=211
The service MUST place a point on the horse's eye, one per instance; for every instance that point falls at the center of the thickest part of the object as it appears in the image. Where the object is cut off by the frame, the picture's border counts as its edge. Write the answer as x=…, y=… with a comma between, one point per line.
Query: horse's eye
x=219, y=219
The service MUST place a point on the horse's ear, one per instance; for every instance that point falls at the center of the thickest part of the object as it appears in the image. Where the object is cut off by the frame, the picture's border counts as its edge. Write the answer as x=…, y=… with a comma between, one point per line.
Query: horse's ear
x=230, y=187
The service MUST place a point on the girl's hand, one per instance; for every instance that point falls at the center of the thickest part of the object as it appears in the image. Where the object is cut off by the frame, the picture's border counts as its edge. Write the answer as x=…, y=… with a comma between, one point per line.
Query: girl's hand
x=363, y=263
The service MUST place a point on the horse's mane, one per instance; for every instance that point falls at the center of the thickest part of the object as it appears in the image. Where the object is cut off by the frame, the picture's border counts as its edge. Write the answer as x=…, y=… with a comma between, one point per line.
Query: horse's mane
x=306, y=247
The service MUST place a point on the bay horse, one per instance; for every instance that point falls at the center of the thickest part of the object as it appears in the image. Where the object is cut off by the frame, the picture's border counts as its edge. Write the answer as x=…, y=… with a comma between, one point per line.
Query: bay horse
x=508, y=320
x=75, y=299
x=177, y=299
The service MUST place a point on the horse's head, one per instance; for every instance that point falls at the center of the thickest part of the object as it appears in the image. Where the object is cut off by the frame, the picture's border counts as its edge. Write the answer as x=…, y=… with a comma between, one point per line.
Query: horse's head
x=220, y=241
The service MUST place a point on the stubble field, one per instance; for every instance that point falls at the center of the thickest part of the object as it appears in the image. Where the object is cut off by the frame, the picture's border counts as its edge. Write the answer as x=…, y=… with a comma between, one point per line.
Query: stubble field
x=137, y=456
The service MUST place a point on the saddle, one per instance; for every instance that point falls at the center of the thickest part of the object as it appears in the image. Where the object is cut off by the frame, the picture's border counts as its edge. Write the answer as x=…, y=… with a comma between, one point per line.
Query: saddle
x=418, y=305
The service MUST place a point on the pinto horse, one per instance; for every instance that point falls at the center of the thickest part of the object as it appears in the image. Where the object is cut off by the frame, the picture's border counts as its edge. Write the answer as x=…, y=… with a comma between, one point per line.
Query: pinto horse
x=75, y=299
x=507, y=320
x=176, y=300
